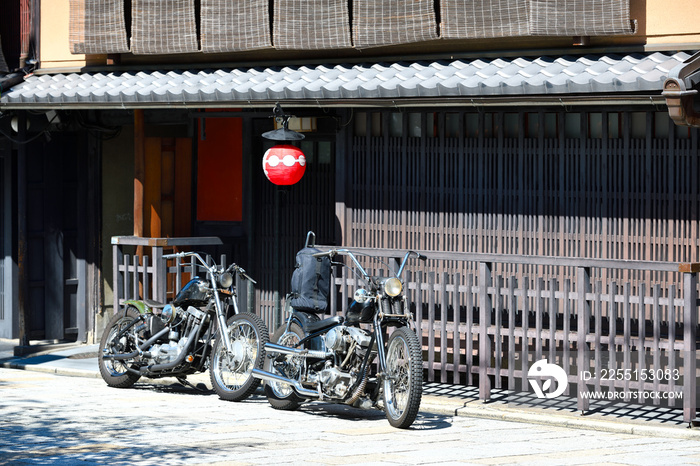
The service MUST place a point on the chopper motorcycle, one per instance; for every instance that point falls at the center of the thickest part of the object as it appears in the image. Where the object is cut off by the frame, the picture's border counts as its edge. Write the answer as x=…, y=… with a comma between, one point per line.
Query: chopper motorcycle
x=331, y=359
x=189, y=335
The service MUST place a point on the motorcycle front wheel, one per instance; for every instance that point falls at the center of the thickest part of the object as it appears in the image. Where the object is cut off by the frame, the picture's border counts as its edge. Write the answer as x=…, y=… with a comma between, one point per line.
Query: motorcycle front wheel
x=280, y=395
x=115, y=371
x=403, y=383
x=232, y=373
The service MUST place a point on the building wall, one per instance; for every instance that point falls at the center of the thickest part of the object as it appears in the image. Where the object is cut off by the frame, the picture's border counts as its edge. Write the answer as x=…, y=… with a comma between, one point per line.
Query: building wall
x=117, y=208
x=667, y=23
x=53, y=36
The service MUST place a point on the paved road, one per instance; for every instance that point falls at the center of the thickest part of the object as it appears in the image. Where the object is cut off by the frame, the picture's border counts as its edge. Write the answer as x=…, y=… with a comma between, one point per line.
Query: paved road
x=52, y=419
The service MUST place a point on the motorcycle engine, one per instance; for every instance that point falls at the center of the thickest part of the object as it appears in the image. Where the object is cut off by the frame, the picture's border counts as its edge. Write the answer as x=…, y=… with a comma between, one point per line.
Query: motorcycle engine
x=168, y=352
x=350, y=344
x=182, y=322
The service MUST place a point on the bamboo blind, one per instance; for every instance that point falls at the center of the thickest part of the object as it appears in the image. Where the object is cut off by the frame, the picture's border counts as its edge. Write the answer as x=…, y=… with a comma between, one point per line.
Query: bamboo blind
x=580, y=17
x=311, y=24
x=390, y=22
x=97, y=26
x=234, y=26
x=477, y=19
x=163, y=27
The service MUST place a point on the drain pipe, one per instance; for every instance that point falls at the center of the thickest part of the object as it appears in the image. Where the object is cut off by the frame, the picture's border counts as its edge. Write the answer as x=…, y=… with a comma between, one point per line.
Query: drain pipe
x=679, y=93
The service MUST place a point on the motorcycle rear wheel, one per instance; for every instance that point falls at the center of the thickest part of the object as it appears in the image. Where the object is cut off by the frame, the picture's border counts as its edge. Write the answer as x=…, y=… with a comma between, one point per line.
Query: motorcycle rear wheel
x=231, y=374
x=114, y=371
x=403, y=386
x=280, y=395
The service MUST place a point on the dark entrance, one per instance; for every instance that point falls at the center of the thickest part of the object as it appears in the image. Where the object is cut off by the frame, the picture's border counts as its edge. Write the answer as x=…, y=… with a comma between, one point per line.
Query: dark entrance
x=62, y=219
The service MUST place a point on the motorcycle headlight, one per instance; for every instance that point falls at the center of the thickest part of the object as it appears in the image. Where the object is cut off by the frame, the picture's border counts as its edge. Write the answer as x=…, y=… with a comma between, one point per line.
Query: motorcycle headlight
x=167, y=313
x=226, y=280
x=361, y=295
x=393, y=287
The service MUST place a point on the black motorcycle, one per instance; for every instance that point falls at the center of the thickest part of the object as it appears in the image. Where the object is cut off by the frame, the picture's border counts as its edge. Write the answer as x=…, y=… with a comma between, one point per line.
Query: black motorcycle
x=332, y=359
x=188, y=335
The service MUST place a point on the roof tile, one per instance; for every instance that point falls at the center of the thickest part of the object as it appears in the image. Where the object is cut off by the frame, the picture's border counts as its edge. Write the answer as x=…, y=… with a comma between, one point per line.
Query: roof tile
x=606, y=73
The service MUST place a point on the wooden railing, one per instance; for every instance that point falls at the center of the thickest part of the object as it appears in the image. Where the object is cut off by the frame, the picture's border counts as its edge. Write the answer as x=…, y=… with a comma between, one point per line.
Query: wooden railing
x=489, y=328
x=135, y=277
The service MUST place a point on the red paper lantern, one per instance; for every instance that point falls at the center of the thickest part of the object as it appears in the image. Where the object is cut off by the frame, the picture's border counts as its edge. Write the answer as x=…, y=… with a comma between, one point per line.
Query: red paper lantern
x=284, y=165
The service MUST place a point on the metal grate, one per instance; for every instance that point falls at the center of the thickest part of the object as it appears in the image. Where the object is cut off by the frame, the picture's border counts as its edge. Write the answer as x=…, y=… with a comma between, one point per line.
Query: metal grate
x=97, y=26
x=389, y=22
x=235, y=26
x=163, y=27
x=311, y=24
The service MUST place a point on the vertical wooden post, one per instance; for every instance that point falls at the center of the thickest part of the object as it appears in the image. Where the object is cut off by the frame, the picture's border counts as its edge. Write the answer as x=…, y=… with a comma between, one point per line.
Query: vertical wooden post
x=160, y=273
x=341, y=175
x=22, y=272
x=690, y=322
x=139, y=171
x=485, y=307
x=583, y=277
x=277, y=261
x=117, y=278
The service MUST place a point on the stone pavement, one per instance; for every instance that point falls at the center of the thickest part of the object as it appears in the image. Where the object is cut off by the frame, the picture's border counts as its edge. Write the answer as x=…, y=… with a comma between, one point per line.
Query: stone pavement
x=438, y=399
x=49, y=419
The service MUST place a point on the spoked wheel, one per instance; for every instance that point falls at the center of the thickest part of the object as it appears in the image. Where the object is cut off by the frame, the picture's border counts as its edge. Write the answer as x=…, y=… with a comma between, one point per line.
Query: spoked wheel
x=232, y=373
x=281, y=395
x=403, y=384
x=115, y=371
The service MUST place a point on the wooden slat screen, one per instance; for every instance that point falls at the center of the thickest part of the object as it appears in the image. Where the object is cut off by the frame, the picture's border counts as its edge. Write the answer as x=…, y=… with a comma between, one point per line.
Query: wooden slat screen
x=311, y=24
x=163, y=27
x=625, y=197
x=307, y=205
x=580, y=17
x=477, y=19
x=389, y=22
x=235, y=26
x=3, y=63
x=97, y=26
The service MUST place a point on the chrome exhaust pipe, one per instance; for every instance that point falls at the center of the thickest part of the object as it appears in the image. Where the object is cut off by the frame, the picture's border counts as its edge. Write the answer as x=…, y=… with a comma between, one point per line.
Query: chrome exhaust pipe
x=279, y=349
x=270, y=377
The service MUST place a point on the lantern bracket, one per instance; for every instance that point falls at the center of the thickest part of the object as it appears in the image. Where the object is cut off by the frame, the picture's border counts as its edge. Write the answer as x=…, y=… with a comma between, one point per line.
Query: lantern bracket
x=284, y=133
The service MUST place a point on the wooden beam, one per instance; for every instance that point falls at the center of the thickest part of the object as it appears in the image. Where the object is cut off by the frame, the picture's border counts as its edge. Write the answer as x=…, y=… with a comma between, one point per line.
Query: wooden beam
x=139, y=170
x=152, y=189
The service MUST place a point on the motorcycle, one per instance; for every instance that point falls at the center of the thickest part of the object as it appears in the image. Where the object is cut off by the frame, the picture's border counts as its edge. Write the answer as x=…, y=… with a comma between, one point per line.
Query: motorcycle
x=189, y=335
x=331, y=359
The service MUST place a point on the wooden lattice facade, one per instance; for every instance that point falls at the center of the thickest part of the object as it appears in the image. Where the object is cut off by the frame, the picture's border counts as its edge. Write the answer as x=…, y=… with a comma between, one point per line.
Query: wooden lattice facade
x=589, y=184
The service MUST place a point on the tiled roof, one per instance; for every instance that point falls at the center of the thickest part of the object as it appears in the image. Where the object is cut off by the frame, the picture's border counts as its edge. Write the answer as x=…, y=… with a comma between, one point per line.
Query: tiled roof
x=542, y=76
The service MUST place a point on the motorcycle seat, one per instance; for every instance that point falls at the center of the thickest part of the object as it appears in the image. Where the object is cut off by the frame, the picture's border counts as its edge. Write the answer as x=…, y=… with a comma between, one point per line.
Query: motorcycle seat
x=154, y=304
x=313, y=327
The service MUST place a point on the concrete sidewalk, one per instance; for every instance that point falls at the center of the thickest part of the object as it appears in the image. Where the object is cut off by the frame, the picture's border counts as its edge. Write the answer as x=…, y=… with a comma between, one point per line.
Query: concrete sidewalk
x=79, y=360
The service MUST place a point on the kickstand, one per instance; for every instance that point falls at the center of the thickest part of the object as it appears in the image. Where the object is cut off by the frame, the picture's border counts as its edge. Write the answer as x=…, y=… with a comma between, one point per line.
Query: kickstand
x=186, y=383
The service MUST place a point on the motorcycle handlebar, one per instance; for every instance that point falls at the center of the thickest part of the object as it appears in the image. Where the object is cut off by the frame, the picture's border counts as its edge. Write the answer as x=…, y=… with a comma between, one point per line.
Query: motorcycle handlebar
x=239, y=270
x=244, y=275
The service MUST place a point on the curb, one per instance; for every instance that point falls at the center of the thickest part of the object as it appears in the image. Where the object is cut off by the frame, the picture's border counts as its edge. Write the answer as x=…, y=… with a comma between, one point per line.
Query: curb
x=51, y=370
x=434, y=405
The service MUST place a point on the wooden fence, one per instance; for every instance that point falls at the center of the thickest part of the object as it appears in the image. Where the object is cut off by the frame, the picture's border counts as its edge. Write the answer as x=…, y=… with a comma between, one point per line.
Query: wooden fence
x=488, y=328
x=140, y=276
